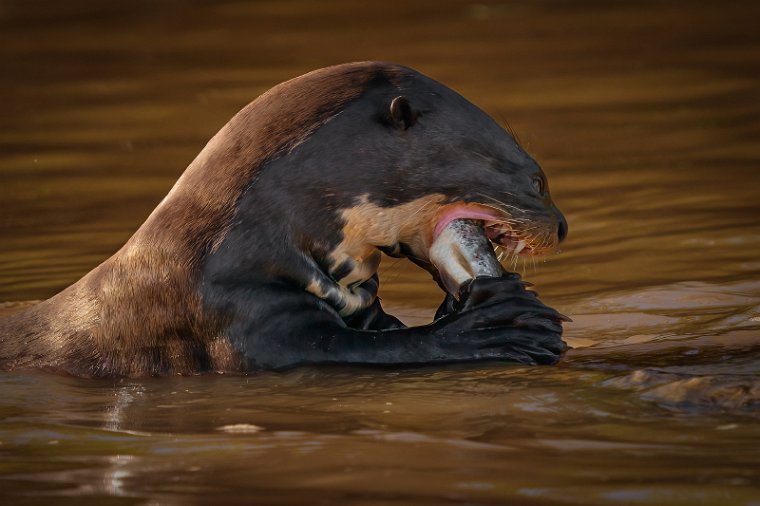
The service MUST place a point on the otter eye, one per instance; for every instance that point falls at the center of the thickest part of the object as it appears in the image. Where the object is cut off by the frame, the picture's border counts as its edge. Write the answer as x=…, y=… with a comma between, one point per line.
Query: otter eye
x=539, y=184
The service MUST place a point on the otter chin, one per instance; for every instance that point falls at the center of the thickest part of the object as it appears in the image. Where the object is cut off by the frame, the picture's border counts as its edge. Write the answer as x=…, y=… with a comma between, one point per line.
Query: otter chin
x=264, y=255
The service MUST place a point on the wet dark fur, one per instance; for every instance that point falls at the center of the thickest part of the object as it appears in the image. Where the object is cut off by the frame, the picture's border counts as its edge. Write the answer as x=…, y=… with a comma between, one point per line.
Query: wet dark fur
x=215, y=278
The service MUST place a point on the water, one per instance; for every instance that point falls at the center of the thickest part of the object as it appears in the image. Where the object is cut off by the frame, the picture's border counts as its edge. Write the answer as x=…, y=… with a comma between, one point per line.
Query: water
x=645, y=117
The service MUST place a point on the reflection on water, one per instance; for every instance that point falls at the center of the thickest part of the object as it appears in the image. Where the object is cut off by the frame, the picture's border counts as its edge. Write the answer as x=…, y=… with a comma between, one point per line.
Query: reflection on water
x=645, y=116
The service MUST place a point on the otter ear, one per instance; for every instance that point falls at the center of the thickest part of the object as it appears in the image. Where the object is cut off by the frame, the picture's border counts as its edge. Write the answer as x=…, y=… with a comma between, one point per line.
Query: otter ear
x=402, y=114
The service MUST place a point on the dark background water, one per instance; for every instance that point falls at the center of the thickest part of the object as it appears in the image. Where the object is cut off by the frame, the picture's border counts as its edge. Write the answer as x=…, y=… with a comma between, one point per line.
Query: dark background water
x=645, y=117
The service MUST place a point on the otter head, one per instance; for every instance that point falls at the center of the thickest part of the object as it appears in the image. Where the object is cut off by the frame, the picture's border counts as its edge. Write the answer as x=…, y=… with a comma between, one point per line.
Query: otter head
x=405, y=159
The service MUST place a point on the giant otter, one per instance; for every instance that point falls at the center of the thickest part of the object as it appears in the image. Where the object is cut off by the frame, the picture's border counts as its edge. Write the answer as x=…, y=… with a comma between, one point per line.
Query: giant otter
x=264, y=255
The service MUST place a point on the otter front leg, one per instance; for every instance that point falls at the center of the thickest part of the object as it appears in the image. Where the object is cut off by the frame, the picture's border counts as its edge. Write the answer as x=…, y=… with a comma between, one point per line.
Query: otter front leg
x=373, y=318
x=495, y=319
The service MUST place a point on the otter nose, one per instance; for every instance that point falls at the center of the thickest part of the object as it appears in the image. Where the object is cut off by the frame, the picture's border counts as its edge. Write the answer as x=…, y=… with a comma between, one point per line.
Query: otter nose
x=562, y=228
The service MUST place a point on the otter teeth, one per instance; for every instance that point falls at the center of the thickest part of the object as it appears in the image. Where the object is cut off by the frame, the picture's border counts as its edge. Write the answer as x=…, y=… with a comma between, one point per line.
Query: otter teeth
x=504, y=237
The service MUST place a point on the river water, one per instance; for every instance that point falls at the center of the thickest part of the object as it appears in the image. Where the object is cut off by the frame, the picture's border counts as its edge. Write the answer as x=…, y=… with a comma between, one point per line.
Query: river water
x=644, y=115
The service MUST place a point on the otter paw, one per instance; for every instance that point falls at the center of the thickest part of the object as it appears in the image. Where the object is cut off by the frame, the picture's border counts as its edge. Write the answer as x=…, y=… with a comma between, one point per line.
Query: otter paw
x=499, y=319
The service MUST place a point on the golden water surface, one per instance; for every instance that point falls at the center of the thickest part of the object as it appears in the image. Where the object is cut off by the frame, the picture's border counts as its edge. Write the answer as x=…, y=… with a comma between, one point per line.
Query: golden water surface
x=645, y=116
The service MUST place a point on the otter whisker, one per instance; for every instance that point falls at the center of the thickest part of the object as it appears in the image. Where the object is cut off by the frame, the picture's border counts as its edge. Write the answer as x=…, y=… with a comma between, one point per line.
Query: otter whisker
x=499, y=202
x=427, y=203
x=510, y=129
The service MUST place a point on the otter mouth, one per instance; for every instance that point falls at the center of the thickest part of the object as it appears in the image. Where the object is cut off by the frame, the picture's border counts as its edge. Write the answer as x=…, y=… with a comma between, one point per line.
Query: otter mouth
x=469, y=242
x=496, y=228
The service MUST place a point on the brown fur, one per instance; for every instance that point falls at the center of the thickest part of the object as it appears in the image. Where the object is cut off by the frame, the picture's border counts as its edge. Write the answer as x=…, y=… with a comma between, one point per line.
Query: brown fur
x=139, y=313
